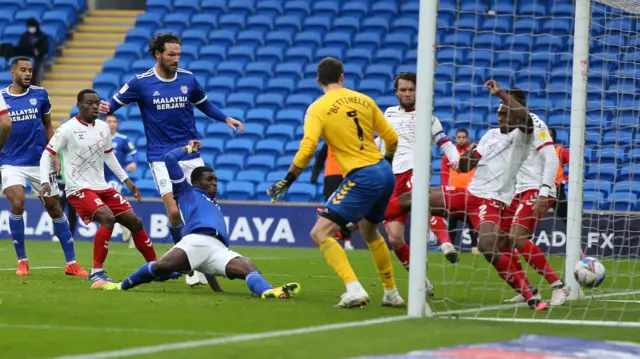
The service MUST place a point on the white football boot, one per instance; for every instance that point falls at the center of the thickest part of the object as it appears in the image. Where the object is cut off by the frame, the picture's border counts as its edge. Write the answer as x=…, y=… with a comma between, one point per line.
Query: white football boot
x=356, y=299
x=450, y=252
x=392, y=298
x=559, y=295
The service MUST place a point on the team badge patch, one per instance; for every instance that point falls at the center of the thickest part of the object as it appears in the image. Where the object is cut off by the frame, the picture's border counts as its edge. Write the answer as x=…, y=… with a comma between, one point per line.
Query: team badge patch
x=33, y=101
x=544, y=135
x=184, y=89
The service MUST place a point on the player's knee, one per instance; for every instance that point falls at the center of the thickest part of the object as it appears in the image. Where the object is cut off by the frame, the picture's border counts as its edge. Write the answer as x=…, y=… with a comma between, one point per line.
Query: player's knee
x=17, y=206
x=174, y=215
x=396, y=241
x=54, y=209
x=318, y=235
x=107, y=220
x=163, y=267
x=404, y=200
x=136, y=225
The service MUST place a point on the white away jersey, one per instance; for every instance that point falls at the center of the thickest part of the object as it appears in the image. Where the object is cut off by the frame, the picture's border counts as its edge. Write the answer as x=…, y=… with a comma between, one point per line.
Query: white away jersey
x=501, y=156
x=531, y=172
x=83, y=147
x=405, y=125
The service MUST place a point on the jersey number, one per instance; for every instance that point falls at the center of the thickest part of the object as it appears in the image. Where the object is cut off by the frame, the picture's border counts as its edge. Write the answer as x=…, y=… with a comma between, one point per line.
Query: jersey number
x=353, y=115
x=98, y=202
x=122, y=199
x=483, y=212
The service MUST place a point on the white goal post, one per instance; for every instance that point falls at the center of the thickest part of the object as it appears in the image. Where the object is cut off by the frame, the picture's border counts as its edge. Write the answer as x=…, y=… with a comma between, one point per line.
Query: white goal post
x=581, y=38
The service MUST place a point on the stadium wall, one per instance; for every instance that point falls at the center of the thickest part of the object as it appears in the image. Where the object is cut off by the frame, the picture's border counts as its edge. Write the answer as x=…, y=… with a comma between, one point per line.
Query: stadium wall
x=288, y=225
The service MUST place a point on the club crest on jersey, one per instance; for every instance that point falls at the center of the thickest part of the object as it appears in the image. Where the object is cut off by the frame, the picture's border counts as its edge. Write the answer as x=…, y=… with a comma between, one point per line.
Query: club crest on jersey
x=184, y=89
x=33, y=101
x=101, y=134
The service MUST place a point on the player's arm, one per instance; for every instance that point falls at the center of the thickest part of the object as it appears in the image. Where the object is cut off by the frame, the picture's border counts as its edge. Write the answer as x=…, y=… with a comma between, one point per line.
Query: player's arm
x=443, y=141
x=199, y=98
x=444, y=171
x=321, y=157
x=469, y=159
x=525, y=122
x=386, y=132
x=5, y=123
x=172, y=161
x=57, y=143
x=128, y=93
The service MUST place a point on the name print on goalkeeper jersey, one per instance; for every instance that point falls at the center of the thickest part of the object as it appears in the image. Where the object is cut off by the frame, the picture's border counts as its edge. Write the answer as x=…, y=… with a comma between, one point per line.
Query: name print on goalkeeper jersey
x=166, y=107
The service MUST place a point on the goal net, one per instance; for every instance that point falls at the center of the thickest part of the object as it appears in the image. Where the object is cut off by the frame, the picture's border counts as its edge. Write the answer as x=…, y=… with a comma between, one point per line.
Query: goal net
x=578, y=63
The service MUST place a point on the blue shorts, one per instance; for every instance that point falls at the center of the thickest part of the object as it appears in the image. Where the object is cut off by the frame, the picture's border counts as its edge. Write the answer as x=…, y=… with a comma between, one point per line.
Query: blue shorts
x=364, y=194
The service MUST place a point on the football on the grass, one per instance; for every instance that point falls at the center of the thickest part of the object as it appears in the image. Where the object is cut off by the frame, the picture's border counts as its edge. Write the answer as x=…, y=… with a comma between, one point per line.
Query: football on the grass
x=589, y=272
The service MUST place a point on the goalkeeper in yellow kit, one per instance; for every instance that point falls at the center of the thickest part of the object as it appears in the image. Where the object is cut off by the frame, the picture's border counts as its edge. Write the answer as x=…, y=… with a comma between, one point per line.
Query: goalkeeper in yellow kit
x=347, y=121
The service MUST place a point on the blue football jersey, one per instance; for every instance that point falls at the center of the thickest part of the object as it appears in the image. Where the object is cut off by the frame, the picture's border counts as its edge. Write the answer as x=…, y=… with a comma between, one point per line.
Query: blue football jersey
x=27, y=139
x=121, y=148
x=167, y=109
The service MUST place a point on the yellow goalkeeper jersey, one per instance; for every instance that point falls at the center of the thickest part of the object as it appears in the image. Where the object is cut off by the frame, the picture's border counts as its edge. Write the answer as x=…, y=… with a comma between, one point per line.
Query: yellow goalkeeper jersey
x=347, y=120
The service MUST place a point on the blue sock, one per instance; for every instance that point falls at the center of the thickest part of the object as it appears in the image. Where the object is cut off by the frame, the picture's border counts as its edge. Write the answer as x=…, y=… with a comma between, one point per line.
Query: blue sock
x=256, y=283
x=16, y=225
x=176, y=232
x=62, y=231
x=143, y=275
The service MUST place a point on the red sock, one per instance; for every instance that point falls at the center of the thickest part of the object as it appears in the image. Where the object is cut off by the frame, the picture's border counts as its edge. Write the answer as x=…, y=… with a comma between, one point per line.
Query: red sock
x=393, y=209
x=514, y=279
x=403, y=254
x=144, y=245
x=101, y=246
x=439, y=228
x=536, y=258
x=516, y=264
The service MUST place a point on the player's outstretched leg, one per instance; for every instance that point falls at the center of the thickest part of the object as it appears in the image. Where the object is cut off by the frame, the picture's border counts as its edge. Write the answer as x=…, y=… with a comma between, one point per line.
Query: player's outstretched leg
x=15, y=195
x=101, y=240
x=439, y=228
x=242, y=268
x=516, y=266
x=322, y=235
x=139, y=236
x=520, y=237
x=62, y=231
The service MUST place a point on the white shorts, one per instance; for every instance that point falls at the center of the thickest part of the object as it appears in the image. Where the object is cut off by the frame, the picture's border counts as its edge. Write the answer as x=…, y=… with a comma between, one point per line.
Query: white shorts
x=207, y=254
x=18, y=176
x=161, y=175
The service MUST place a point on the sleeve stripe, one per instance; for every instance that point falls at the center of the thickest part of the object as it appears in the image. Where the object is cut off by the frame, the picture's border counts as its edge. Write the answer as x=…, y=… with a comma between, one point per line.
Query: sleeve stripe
x=51, y=150
x=115, y=98
x=478, y=155
x=443, y=141
x=4, y=112
x=179, y=181
x=201, y=101
x=544, y=145
x=133, y=152
x=109, y=150
x=48, y=113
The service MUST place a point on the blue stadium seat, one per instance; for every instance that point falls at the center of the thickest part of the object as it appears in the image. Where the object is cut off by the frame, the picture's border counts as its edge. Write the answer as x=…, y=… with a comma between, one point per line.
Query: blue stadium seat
x=603, y=172
x=498, y=24
x=291, y=117
x=385, y=9
x=243, y=101
x=300, y=134
x=263, y=163
x=147, y=188
x=618, y=138
x=270, y=54
x=283, y=163
x=287, y=24
x=12, y=6
x=301, y=55
x=530, y=9
x=251, y=38
x=242, y=54
x=326, y=8
x=218, y=98
x=302, y=192
x=229, y=162
x=219, y=131
x=634, y=155
x=622, y=201
x=221, y=84
x=359, y=57
x=270, y=101
x=269, y=147
x=269, y=8
x=148, y=21
x=491, y=41
x=345, y=24
x=307, y=39
x=367, y=40
x=250, y=85
x=597, y=186
x=204, y=22
x=275, y=176
x=379, y=72
x=202, y=68
x=233, y=22
x=462, y=38
x=159, y=6
x=129, y=52
x=115, y=66
x=557, y=27
x=388, y=57
x=176, y=21
x=213, y=53
x=289, y=70
x=355, y=9
x=297, y=8
x=376, y=25
x=239, y=191
x=259, y=69
x=222, y=37
x=225, y=175
x=133, y=129
x=309, y=86
x=410, y=8
x=241, y=7
x=194, y=37
x=283, y=86
x=262, y=23
x=239, y=146
x=298, y=101
x=337, y=40
x=551, y=44
x=397, y=41
x=629, y=173
x=593, y=200
x=280, y=132
x=385, y=102
x=260, y=115
x=372, y=88
x=107, y=80
x=627, y=186
x=186, y=7
x=405, y=24
x=291, y=147
x=212, y=147
x=561, y=9
x=230, y=69
x=261, y=191
x=253, y=176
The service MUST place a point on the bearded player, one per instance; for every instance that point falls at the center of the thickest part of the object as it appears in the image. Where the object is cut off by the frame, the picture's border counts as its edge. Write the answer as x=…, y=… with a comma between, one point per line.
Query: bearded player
x=497, y=160
x=535, y=192
x=85, y=143
x=402, y=118
x=166, y=96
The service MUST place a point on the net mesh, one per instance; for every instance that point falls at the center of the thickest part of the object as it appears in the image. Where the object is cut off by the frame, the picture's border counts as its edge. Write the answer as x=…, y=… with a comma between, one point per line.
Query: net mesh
x=529, y=44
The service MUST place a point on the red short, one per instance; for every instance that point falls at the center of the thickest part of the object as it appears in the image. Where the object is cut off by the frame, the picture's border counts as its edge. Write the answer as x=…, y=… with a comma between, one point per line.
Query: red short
x=404, y=183
x=459, y=201
x=87, y=201
x=521, y=211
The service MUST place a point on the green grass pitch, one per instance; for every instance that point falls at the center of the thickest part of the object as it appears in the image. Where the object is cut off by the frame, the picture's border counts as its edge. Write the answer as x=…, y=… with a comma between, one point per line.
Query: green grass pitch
x=50, y=315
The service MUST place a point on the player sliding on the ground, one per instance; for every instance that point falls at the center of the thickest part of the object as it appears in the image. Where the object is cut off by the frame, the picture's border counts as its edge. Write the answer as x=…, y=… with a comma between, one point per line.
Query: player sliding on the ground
x=402, y=118
x=85, y=143
x=497, y=159
x=535, y=191
x=31, y=112
x=205, y=241
x=166, y=96
x=347, y=120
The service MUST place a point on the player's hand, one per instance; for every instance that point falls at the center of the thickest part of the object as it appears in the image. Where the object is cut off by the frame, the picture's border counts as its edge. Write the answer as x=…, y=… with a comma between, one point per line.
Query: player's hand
x=44, y=191
x=196, y=145
x=234, y=124
x=133, y=188
x=492, y=85
x=131, y=167
x=455, y=165
x=55, y=165
x=540, y=207
x=277, y=190
x=104, y=107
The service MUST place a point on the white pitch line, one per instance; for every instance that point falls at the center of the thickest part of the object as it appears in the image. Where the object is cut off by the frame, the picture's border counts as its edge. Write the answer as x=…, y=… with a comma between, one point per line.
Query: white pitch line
x=111, y=330
x=619, y=301
x=596, y=323
x=227, y=340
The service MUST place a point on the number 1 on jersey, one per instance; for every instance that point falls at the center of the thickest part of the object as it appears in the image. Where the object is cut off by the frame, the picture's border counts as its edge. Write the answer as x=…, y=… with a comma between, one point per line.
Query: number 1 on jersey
x=354, y=114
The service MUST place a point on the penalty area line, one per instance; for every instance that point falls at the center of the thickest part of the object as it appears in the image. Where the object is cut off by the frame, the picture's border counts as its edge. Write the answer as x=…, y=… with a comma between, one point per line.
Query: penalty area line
x=112, y=330
x=230, y=339
x=595, y=323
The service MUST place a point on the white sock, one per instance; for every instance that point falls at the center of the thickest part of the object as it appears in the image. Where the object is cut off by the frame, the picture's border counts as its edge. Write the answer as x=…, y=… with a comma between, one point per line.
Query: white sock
x=557, y=284
x=388, y=291
x=71, y=262
x=353, y=287
x=23, y=260
x=96, y=270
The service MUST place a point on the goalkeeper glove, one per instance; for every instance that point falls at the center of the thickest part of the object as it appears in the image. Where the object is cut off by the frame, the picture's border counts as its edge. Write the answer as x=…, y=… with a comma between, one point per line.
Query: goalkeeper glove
x=278, y=189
